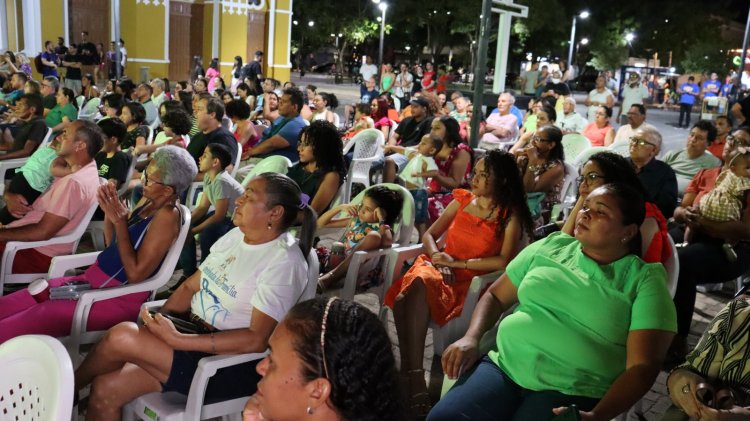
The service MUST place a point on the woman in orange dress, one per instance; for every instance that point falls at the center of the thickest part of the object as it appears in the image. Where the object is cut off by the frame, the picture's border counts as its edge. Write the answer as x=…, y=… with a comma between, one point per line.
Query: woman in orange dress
x=484, y=229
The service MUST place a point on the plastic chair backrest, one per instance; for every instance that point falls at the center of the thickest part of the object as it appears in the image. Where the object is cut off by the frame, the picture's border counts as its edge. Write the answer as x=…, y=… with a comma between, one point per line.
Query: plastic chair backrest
x=570, y=184
x=396, y=103
x=37, y=380
x=672, y=266
x=367, y=143
x=131, y=169
x=621, y=147
x=275, y=163
x=313, y=272
x=584, y=156
x=336, y=120
x=573, y=145
x=367, y=135
x=404, y=225
x=47, y=139
x=237, y=160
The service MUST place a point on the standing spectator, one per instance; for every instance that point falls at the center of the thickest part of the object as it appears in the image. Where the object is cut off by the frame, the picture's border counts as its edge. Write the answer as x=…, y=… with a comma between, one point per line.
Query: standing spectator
x=611, y=83
x=99, y=73
x=368, y=70
x=442, y=79
x=73, y=62
x=599, y=96
x=253, y=71
x=60, y=48
x=634, y=92
x=688, y=91
x=387, y=79
x=88, y=56
x=687, y=162
x=123, y=56
x=418, y=76
x=236, y=74
x=529, y=78
x=212, y=75
x=49, y=61
x=428, y=78
x=198, y=71
x=542, y=80
x=404, y=84
x=502, y=127
x=711, y=87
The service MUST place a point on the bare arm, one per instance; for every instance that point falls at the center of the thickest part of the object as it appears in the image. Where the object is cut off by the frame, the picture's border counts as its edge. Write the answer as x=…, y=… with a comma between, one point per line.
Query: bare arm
x=512, y=244
x=458, y=170
x=609, y=138
x=220, y=212
x=273, y=143
x=326, y=192
x=28, y=148
x=326, y=220
x=45, y=229
x=611, y=101
x=436, y=230
x=544, y=182
x=60, y=168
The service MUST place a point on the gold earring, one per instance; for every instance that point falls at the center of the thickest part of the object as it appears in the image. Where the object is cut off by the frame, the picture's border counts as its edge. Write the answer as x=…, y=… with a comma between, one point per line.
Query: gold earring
x=269, y=225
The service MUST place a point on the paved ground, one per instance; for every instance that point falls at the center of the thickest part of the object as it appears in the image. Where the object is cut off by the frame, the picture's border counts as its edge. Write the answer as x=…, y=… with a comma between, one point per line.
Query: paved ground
x=656, y=402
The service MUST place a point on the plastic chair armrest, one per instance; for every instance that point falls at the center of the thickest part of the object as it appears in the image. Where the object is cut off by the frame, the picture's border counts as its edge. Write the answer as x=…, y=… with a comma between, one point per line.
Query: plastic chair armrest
x=61, y=264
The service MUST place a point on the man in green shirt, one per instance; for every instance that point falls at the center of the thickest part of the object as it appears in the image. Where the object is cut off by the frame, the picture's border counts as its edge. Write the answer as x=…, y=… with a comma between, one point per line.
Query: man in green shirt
x=687, y=162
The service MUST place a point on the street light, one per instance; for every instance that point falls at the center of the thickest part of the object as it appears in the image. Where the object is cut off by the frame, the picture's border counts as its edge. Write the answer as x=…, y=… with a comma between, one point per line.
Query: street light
x=310, y=24
x=583, y=15
x=382, y=6
x=629, y=37
x=584, y=41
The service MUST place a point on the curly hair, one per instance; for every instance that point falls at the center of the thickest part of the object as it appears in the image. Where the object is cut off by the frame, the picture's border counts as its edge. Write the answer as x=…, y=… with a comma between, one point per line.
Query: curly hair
x=452, y=130
x=358, y=356
x=508, y=192
x=391, y=201
x=178, y=120
x=434, y=101
x=330, y=99
x=327, y=148
x=238, y=108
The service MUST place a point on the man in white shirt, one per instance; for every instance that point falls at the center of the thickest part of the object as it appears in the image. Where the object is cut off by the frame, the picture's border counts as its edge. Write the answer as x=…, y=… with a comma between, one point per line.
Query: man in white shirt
x=636, y=120
x=571, y=121
x=502, y=127
x=634, y=92
x=368, y=70
x=158, y=96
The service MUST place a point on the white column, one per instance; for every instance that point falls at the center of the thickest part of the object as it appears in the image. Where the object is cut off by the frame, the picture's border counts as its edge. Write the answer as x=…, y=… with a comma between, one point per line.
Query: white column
x=66, y=24
x=271, y=34
x=32, y=27
x=501, y=55
x=3, y=26
x=167, y=9
x=215, y=32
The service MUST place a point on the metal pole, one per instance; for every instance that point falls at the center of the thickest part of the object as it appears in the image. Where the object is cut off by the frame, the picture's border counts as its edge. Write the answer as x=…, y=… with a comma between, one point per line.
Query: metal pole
x=382, y=35
x=738, y=80
x=118, y=46
x=479, y=72
x=572, y=42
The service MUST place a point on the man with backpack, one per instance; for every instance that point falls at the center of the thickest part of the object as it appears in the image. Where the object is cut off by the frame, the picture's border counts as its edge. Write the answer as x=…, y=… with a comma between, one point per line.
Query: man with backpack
x=253, y=71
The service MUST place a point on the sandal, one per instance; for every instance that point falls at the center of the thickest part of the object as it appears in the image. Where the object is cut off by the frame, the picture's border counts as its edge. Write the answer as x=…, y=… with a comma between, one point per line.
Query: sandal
x=418, y=400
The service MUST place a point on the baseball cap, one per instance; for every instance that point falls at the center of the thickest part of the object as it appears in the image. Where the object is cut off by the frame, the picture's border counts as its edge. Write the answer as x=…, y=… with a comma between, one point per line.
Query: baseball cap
x=420, y=101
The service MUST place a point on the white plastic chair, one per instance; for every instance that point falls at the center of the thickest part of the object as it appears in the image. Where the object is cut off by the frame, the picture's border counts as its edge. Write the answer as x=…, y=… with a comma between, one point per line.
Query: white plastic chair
x=396, y=103
x=367, y=149
x=455, y=328
x=621, y=147
x=568, y=192
x=672, y=266
x=177, y=407
x=584, y=156
x=573, y=145
x=37, y=380
x=337, y=120
x=13, y=164
x=79, y=334
x=89, y=110
x=13, y=247
x=402, y=232
x=275, y=163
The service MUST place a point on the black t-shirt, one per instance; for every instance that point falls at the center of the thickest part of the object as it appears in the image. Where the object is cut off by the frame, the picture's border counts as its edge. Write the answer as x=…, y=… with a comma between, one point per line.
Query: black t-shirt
x=132, y=136
x=411, y=131
x=88, y=53
x=221, y=135
x=73, y=73
x=34, y=130
x=115, y=167
x=49, y=101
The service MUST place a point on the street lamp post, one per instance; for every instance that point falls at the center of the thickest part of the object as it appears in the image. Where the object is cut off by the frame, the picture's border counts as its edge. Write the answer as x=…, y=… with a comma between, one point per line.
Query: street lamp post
x=382, y=6
x=583, y=15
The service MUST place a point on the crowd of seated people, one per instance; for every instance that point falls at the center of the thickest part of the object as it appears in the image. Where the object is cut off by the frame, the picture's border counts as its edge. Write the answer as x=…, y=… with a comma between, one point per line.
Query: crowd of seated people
x=476, y=213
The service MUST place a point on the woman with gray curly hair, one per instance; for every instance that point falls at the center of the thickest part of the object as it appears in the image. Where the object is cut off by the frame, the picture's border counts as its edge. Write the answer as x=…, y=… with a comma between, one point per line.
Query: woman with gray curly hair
x=142, y=239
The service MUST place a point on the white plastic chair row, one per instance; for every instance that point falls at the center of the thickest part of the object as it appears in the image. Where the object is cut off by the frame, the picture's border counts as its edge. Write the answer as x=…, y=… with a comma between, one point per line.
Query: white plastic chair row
x=276, y=163
x=96, y=228
x=176, y=407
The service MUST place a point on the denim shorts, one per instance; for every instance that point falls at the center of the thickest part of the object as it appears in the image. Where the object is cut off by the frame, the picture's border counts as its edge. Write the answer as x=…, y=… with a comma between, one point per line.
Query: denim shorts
x=420, y=205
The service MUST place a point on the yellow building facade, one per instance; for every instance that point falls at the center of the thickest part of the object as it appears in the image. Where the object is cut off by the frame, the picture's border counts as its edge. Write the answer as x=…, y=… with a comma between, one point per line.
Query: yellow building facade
x=162, y=37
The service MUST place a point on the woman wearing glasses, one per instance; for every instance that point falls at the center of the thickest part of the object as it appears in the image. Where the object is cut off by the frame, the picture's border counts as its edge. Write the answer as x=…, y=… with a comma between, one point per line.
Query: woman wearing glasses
x=607, y=167
x=543, y=171
x=704, y=260
x=143, y=238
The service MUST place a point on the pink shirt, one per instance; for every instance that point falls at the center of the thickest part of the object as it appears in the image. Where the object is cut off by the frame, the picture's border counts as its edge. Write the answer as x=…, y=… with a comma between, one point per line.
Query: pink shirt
x=508, y=121
x=69, y=197
x=211, y=75
x=596, y=135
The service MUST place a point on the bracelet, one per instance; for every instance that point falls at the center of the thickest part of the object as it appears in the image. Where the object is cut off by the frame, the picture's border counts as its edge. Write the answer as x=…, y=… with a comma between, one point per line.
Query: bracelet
x=213, y=344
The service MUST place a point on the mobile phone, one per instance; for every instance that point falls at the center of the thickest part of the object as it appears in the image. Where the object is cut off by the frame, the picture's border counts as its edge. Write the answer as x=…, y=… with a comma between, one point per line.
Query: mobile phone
x=571, y=414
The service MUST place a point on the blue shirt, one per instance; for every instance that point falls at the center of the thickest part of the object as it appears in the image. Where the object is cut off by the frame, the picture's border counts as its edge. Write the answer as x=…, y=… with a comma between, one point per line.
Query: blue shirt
x=46, y=70
x=685, y=97
x=288, y=129
x=707, y=84
x=367, y=96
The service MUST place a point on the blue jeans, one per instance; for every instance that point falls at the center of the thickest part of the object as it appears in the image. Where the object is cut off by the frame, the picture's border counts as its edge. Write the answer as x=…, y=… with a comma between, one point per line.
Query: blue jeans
x=487, y=393
x=207, y=238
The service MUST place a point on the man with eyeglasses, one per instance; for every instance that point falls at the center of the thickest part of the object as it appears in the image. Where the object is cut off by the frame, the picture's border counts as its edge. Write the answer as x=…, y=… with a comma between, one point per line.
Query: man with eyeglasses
x=636, y=119
x=687, y=162
x=50, y=85
x=658, y=178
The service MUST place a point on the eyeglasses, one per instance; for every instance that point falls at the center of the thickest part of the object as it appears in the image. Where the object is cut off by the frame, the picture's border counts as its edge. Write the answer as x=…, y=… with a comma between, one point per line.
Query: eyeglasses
x=734, y=140
x=537, y=138
x=147, y=182
x=590, y=178
x=638, y=141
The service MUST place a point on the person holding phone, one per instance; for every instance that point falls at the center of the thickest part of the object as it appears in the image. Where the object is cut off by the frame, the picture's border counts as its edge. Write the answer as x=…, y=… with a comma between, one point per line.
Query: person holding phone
x=591, y=329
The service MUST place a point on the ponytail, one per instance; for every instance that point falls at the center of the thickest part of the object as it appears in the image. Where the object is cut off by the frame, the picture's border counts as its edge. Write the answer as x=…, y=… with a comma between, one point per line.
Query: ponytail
x=307, y=232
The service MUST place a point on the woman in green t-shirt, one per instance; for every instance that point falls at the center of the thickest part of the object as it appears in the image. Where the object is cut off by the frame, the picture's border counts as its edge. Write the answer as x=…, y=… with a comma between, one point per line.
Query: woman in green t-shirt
x=592, y=326
x=63, y=113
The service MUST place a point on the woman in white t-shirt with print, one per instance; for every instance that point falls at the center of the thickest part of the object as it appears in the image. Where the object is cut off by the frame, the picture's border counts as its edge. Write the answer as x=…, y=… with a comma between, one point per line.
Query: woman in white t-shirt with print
x=250, y=280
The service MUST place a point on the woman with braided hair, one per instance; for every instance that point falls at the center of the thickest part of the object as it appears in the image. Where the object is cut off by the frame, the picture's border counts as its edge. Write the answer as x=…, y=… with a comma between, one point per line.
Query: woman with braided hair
x=317, y=369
